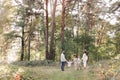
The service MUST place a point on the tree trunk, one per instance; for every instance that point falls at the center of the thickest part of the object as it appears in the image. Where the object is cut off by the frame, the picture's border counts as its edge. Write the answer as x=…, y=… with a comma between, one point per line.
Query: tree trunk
x=88, y=24
x=29, y=39
x=52, y=46
x=63, y=23
x=22, y=44
x=46, y=32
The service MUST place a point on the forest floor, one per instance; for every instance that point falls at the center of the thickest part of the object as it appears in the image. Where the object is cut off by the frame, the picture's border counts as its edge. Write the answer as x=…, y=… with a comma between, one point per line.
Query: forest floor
x=102, y=70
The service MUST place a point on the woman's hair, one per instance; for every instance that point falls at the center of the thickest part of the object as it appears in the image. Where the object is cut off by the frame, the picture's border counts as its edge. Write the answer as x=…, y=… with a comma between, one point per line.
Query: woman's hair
x=86, y=52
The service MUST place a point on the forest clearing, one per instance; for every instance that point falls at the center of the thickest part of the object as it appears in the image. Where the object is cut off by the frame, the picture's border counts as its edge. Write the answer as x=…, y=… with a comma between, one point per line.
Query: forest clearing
x=37, y=38
x=103, y=70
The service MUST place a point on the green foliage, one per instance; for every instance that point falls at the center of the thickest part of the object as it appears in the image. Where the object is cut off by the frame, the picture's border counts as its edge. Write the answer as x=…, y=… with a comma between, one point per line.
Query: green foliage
x=108, y=48
x=10, y=36
x=117, y=42
x=69, y=45
x=20, y=23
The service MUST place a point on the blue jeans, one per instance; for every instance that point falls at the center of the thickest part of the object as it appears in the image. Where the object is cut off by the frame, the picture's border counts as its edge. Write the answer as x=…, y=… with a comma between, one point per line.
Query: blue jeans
x=62, y=65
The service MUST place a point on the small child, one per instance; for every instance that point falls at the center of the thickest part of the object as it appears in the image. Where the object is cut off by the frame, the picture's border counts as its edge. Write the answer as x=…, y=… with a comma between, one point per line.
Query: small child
x=75, y=59
x=69, y=63
x=79, y=63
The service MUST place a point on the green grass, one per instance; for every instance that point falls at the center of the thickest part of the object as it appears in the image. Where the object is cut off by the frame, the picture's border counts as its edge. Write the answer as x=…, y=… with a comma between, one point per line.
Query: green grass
x=54, y=73
x=37, y=71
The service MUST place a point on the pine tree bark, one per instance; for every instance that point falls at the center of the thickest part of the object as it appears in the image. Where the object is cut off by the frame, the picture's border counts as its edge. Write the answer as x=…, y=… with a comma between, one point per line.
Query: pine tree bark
x=63, y=24
x=46, y=32
x=52, y=46
x=22, y=44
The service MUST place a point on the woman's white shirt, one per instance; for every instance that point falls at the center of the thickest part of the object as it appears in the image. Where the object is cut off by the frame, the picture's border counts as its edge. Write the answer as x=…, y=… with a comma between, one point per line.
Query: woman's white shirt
x=84, y=57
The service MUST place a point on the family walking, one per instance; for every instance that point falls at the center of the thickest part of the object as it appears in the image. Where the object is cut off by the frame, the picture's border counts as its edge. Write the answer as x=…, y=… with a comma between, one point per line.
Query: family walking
x=76, y=61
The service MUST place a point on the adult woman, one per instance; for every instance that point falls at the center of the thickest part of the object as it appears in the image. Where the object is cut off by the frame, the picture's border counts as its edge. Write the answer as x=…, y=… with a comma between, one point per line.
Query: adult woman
x=84, y=59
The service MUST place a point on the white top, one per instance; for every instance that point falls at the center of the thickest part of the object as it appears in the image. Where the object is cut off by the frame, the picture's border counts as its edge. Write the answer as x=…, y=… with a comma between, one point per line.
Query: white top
x=84, y=57
x=79, y=61
x=69, y=63
x=75, y=60
x=63, y=58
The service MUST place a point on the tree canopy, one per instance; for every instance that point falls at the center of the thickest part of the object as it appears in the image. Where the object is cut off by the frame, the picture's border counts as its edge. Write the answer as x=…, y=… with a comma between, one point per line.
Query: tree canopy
x=41, y=29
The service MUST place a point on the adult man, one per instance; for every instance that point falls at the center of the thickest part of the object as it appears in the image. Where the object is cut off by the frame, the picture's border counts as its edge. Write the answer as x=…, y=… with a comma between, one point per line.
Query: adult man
x=63, y=61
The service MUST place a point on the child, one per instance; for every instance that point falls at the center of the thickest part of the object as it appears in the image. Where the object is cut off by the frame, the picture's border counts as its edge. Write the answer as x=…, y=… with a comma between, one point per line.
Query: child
x=79, y=63
x=75, y=59
x=69, y=63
